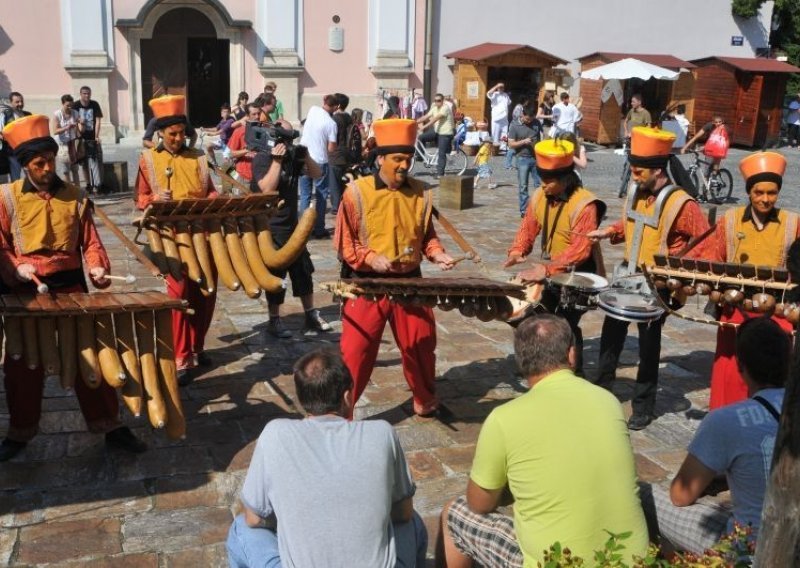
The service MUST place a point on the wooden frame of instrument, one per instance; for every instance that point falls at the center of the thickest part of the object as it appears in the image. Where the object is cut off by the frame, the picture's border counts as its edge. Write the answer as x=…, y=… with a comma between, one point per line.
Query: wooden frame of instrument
x=53, y=305
x=222, y=207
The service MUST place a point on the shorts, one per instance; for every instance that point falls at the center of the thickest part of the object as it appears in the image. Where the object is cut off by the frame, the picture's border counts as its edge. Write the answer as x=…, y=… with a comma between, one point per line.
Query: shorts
x=488, y=539
x=299, y=271
x=485, y=171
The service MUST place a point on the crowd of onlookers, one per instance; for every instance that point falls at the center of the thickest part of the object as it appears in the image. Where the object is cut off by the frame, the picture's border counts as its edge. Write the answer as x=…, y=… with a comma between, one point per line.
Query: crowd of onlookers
x=75, y=125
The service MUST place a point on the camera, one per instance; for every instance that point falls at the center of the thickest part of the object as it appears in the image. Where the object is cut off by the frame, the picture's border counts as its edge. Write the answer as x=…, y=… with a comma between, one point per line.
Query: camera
x=263, y=137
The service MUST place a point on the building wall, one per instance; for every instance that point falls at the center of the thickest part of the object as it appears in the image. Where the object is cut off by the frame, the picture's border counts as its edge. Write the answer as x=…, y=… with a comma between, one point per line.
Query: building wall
x=687, y=29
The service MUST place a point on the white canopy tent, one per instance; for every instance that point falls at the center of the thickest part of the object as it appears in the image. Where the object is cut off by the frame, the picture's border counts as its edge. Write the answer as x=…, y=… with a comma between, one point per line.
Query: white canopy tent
x=630, y=69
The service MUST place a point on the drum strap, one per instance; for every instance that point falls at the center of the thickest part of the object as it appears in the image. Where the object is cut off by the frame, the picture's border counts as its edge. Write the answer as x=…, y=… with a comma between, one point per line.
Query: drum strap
x=547, y=236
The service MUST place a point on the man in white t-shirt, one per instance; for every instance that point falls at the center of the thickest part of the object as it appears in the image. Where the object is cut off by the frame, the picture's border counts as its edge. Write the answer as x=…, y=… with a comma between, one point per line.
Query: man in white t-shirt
x=319, y=136
x=566, y=116
x=500, y=102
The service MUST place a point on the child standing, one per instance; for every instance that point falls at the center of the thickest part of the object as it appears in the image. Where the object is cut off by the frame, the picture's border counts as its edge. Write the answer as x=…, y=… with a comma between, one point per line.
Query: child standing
x=482, y=161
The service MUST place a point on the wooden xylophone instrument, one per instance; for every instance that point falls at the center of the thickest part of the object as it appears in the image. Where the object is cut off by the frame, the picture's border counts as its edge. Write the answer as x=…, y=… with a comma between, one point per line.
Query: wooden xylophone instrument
x=759, y=289
x=473, y=297
x=185, y=235
x=122, y=338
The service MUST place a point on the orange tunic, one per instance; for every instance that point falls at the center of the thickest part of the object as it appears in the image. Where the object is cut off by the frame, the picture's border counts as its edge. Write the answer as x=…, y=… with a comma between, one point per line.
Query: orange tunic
x=71, y=237
x=190, y=177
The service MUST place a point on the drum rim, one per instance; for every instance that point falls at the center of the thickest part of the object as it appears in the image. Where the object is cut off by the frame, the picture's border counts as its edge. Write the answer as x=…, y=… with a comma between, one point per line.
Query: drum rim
x=628, y=314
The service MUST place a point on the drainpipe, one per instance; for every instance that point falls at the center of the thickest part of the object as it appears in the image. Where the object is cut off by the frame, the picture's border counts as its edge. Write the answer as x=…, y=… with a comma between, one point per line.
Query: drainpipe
x=427, y=71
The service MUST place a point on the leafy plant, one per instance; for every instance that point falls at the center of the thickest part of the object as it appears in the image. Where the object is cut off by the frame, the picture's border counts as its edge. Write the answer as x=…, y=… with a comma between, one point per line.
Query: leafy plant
x=734, y=550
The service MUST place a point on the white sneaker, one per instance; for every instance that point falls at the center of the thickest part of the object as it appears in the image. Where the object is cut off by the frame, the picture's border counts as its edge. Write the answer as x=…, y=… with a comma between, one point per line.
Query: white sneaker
x=492, y=185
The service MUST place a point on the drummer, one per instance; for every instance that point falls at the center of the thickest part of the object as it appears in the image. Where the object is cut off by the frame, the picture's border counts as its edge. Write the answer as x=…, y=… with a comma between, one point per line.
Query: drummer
x=46, y=229
x=563, y=211
x=679, y=220
x=758, y=234
x=173, y=171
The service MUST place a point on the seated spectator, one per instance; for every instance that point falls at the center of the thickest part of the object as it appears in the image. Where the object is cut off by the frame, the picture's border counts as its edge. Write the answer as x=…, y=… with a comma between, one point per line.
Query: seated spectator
x=560, y=452
x=239, y=110
x=736, y=441
x=222, y=131
x=339, y=492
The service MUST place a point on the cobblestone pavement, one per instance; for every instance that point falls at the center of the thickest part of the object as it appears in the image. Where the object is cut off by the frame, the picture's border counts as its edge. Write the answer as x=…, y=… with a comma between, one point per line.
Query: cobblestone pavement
x=68, y=501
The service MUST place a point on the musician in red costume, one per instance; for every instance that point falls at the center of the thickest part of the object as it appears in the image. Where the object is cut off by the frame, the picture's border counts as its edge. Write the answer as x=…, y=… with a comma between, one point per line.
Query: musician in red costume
x=384, y=229
x=47, y=231
x=759, y=234
x=173, y=171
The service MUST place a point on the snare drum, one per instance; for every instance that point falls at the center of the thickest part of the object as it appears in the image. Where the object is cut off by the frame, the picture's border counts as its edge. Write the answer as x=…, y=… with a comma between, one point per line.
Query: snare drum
x=630, y=306
x=577, y=290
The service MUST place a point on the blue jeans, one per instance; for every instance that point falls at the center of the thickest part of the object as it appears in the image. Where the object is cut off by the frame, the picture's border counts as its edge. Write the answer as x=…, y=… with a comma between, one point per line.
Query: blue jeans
x=510, y=153
x=526, y=166
x=320, y=193
x=258, y=548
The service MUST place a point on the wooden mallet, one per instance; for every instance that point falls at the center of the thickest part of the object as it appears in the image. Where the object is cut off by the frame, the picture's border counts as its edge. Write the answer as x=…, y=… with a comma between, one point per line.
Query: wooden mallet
x=405, y=252
x=41, y=287
x=127, y=279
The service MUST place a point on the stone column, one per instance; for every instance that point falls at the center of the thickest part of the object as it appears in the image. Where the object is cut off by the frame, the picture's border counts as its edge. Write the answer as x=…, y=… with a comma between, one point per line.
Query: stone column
x=279, y=26
x=391, y=42
x=88, y=51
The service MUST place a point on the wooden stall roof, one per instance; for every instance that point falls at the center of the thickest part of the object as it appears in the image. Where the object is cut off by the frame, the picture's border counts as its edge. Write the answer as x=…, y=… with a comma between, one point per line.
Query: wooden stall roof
x=484, y=51
x=667, y=61
x=754, y=64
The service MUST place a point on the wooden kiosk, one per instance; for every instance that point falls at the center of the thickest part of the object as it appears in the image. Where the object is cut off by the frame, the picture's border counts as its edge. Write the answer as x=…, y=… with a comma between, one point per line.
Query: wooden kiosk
x=602, y=119
x=524, y=69
x=747, y=92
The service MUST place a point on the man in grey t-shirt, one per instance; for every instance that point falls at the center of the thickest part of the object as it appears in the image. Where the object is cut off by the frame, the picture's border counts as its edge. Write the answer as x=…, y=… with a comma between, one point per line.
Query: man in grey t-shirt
x=522, y=136
x=339, y=491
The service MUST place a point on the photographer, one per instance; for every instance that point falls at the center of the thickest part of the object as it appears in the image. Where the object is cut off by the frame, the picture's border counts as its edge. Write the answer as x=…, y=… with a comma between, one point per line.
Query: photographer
x=277, y=167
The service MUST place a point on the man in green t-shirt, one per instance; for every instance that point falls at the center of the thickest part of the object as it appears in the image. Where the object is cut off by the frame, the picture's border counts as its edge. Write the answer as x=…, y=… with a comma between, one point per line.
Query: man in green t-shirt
x=560, y=453
x=637, y=116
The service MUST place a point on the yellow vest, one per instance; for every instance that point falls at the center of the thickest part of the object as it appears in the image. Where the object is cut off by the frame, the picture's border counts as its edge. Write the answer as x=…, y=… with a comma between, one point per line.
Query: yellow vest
x=762, y=248
x=654, y=239
x=392, y=220
x=562, y=238
x=189, y=172
x=44, y=224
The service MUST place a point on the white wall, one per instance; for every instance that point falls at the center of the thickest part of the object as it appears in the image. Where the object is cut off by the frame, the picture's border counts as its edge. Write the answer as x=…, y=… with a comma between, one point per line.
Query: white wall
x=688, y=29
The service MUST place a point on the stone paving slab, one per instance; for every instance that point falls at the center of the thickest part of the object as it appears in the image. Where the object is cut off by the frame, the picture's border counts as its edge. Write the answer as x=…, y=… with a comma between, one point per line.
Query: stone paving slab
x=67, y=501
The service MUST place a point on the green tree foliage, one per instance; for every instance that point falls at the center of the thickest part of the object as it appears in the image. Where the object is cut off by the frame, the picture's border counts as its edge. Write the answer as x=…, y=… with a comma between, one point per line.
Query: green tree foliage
x=786, y=37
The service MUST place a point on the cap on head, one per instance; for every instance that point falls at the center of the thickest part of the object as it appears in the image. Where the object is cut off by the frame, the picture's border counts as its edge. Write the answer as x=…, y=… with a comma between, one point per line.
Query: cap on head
x=554, y=156
x=763, y=166
x=650, y=147
x=395, y=135
x=169, y=110
x=29, y=136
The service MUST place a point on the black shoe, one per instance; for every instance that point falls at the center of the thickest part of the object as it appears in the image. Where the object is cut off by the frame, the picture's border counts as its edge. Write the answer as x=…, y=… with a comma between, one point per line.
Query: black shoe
x=639, y=421
x=9, y=448
x=123, y=439
x=204, y=360
x=185, y=377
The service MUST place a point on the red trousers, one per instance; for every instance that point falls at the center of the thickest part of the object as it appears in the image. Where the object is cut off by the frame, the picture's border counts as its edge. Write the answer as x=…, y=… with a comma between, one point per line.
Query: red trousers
x=189, y=331
x=24, y=388
x=414, y=332
x=727, y=385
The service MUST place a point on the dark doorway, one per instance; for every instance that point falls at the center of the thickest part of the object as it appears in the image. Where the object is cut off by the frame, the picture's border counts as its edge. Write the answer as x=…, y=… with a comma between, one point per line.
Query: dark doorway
x=184, y=57
x=209, y=79
x=520, y=82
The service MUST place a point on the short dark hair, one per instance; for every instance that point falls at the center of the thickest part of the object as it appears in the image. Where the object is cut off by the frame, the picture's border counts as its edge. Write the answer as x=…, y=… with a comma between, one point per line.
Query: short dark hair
x=681, y=109
x=226, y=106
x=529, y=110
x=265, y=99
x=253, y=106
x=564, y=95
x=763, y=350
x=636, y=96
x=342, y=100
x=13, y=94
x=541, y=344
x=243, y=96
x=67, y=99
x=320, y=379
x=329, y=100
x=85, y=88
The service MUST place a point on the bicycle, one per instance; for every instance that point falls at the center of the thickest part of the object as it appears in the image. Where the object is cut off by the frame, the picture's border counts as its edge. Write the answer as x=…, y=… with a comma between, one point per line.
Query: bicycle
x=713, y=186
x=456, y=160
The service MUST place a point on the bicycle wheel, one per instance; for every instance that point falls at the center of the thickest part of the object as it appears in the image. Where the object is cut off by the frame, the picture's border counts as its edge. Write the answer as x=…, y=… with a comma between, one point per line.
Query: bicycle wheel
x=626, y=180
x=456, y=163
x=721, y=186
x=700, y=194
